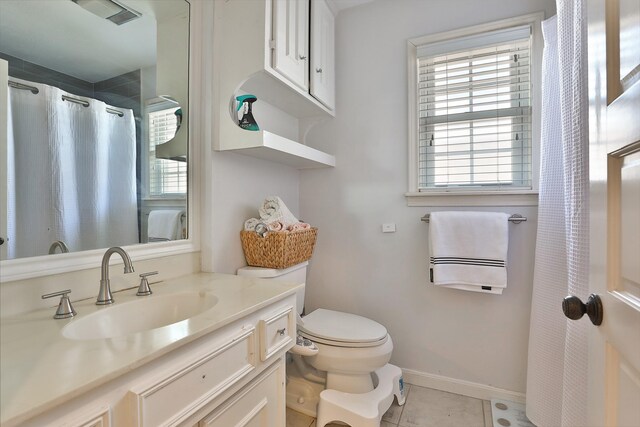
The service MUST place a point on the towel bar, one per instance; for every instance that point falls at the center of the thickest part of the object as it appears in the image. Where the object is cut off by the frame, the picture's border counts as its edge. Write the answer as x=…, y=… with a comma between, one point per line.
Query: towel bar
x=515, y=218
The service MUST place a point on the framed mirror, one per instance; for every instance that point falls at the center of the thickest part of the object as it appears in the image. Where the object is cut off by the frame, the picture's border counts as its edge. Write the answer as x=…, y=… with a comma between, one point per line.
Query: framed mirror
x=95, y=136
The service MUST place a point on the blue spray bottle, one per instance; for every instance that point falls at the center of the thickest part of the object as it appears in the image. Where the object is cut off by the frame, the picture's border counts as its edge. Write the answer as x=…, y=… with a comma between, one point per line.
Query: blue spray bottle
x=245, y=119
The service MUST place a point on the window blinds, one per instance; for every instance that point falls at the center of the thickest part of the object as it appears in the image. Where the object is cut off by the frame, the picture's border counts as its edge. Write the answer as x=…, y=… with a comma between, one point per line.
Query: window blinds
x=166, y=177
x=475, y=112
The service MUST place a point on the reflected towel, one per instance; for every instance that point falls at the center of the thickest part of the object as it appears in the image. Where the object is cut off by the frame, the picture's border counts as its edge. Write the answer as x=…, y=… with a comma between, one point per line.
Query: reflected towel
x=274, y=209
x=164, y=224
x=469, y=250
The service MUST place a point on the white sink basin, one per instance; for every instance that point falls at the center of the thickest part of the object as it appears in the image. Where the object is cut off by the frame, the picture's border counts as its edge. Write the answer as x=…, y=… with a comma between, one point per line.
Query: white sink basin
x=142, y=314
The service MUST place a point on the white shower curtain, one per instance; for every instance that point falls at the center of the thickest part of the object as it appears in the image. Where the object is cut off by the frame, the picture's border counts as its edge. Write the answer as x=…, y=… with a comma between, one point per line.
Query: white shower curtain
x=71, y=173
x=557, y=365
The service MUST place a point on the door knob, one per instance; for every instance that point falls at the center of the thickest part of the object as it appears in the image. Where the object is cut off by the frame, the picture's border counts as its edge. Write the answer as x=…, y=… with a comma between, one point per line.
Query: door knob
x=574, y=309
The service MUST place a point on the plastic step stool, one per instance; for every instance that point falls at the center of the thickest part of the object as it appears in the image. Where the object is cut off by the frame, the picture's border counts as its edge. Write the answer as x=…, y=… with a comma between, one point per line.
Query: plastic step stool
x=362, y=409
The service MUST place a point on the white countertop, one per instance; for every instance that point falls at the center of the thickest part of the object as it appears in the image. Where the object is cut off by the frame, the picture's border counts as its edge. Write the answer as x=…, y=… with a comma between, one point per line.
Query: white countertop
x=40, y=368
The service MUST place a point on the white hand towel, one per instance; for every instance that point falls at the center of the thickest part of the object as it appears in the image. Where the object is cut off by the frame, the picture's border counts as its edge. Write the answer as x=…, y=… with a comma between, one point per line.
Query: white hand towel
x=164, y=224
x=469, y=250
x=251, y=223
x=274, y=209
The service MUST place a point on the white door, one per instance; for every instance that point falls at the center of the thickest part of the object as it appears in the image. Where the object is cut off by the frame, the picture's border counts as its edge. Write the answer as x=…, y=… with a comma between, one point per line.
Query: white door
x=614, y=98
x=291, y=37
x=4, y=103
x=322, y=53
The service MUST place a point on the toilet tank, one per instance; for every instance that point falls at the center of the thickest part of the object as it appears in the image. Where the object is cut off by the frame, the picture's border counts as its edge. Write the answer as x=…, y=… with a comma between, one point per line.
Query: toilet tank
x=294, y=274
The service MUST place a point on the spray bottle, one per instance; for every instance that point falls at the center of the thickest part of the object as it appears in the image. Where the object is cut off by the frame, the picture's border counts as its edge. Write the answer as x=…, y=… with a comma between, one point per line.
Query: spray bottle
x=245, y=118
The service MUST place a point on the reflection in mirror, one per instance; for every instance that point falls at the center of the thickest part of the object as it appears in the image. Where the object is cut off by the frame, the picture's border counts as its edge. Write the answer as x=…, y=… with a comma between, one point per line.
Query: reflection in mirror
x=96, y=126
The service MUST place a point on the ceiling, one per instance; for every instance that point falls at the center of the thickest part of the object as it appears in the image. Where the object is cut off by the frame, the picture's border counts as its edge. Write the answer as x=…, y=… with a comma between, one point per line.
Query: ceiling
x=60, y=35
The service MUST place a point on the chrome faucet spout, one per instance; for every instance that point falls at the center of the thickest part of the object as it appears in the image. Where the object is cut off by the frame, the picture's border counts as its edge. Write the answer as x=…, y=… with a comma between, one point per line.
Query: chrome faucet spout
x=58, y=244
x=104, y=294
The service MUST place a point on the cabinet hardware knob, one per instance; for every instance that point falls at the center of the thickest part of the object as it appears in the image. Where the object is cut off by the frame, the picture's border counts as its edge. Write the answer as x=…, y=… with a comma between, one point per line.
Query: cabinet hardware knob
x=574, y=308
x=282, y=331
x=318, y=70
x=302, y=57
x=1, y=241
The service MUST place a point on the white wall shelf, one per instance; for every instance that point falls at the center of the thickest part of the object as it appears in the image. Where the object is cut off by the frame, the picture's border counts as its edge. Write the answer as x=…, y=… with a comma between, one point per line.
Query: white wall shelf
x=282, y=150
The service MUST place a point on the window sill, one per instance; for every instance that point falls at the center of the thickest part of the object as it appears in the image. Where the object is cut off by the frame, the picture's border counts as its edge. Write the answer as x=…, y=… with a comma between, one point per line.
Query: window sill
x=473, y=198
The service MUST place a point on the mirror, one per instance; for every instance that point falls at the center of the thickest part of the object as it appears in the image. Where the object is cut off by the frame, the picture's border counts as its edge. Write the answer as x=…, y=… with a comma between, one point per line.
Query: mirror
x=96, y=126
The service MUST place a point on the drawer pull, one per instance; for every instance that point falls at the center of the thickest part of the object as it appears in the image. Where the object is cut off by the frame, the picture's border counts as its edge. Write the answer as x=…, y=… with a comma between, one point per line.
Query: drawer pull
x=282, y=331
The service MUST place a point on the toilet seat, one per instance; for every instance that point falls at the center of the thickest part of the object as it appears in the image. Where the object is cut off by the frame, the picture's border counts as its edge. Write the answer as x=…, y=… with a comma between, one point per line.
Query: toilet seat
x=339, y=329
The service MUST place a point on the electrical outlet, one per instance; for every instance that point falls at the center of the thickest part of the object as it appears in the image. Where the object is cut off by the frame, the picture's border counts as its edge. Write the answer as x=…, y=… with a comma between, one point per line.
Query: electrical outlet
x=389, y=227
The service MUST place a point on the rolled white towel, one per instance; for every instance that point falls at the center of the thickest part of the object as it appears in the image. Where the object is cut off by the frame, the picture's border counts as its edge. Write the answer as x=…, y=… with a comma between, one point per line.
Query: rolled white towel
x=298, y=226
x=250, y=224
x=276, y=226
x=274, y=209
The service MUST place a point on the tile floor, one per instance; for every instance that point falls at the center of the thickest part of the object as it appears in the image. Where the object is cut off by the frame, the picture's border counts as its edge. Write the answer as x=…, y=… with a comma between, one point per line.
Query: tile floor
x=424, y=407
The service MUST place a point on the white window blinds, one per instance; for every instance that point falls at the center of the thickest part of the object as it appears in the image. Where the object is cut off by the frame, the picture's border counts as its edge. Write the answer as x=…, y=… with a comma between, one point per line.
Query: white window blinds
x=474, y=101
x=166, y=177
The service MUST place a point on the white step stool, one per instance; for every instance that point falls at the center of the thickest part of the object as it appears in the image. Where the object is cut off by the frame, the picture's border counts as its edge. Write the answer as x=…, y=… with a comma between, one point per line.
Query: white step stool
x=362, y=409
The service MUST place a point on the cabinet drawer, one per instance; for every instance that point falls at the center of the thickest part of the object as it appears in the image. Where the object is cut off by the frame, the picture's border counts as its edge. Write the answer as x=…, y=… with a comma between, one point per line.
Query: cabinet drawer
x=276, y=333
x=177, y=396
x=260, y=404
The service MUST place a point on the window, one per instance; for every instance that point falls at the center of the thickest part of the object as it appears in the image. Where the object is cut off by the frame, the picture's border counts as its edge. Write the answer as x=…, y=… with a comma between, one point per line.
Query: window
x=167, y=178
x=473, y=122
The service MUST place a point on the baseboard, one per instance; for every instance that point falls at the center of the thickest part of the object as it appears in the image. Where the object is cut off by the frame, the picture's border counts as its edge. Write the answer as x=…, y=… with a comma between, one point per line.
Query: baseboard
x=465, y=388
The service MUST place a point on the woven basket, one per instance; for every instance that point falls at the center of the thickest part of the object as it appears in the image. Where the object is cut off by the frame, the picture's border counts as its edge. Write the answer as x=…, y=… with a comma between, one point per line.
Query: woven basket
x=278, y=249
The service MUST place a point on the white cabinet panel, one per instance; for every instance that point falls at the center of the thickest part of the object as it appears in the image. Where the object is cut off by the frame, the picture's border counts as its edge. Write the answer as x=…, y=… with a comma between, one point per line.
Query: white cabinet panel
x=170, y=400
x=322, y=53
x=276, y=332
x=260, y=404
x=291, y=38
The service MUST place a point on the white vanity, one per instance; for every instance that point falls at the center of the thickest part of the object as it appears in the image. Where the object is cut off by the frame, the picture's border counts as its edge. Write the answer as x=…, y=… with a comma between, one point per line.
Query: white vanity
x=224, y=365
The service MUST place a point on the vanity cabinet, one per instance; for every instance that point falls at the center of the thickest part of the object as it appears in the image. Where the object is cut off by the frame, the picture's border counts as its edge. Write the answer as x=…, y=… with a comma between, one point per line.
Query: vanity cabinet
x=234, y=375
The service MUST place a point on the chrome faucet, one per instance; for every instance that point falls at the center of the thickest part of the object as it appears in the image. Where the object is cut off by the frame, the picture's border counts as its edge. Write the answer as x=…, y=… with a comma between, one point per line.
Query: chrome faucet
x=58, y=244
x=104, y=295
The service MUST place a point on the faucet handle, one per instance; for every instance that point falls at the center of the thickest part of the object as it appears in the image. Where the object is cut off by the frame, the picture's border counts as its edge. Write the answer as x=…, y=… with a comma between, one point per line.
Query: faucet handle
x=144, y=288
x=65, y=309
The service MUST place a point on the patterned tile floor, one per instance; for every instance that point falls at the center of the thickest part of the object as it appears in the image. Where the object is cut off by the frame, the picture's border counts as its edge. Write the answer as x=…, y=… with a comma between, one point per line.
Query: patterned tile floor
x=424, y=407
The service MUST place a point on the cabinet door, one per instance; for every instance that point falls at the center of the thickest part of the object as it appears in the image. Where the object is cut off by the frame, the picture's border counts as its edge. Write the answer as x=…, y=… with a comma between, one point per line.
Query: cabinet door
x=322, y=53
x=291, y=38
x=260, y=404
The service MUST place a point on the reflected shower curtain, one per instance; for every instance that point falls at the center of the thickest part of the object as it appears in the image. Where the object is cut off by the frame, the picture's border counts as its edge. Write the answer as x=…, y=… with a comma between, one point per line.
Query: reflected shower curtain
x=557, y=363
x=71, y=173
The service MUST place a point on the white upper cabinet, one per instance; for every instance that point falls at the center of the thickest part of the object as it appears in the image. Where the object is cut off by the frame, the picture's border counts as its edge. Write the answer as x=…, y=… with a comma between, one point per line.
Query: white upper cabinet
x=263, y=47
x=322, y=53
x=291, y=40
x=305, y=58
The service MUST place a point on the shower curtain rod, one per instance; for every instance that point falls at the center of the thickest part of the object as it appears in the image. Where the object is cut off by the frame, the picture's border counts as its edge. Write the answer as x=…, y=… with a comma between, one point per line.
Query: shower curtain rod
x=86, y=104
x=17, y=85
x=82, y=102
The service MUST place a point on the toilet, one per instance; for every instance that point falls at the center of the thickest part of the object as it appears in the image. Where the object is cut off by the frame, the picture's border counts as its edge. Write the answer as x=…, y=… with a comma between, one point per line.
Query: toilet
x=334, y=351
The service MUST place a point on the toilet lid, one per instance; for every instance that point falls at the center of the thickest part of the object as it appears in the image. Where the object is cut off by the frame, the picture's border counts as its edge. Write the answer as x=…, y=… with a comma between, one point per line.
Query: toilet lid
x=330, y=326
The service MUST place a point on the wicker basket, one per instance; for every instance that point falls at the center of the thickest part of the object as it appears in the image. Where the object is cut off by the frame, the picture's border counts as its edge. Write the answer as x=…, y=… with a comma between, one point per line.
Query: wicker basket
x=278, y=249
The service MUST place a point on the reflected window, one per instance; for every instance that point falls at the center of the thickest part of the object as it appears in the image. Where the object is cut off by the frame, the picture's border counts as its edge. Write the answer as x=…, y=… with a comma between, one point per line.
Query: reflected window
x=167, y=178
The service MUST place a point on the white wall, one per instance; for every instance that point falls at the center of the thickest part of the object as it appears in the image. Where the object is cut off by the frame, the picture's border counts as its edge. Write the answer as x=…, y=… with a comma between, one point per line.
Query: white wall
x=240, y=184
x=471, y=337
